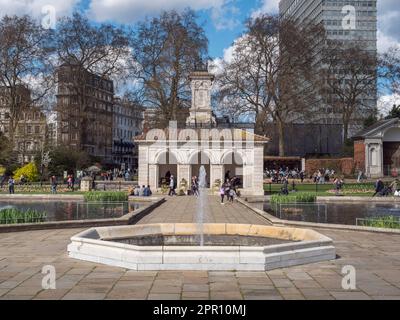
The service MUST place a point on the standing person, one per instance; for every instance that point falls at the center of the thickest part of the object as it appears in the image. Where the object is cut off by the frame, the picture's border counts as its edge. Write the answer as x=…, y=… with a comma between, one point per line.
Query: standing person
x=168, y=177
x=195, y=186
x=360, y=176
x=72, y=182
x=228, y=176
x=171, y=186
x=222, y=193
x=11, y=184
x=232, y=194
x=338, y=185
x=228, y=188
x=53, y=182
x=285, y=190
x=301, y=176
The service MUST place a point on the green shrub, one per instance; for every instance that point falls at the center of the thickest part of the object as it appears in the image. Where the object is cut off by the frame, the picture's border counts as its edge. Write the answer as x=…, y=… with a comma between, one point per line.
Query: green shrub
x=117, y=196
x=390, y=222
x=29, y=171
x=293, y=198
x=13, y=216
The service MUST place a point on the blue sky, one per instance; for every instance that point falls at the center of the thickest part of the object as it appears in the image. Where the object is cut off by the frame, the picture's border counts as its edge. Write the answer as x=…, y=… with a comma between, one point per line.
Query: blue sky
x=223, y=19
x=222, y=23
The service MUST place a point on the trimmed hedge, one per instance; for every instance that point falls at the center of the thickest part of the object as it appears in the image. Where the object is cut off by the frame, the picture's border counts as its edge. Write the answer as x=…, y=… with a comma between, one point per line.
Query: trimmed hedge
x=116, y=196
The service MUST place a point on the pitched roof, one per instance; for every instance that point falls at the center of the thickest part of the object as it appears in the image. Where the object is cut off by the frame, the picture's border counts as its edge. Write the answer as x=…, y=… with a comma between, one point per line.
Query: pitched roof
x=195, y=134
x=370, y=131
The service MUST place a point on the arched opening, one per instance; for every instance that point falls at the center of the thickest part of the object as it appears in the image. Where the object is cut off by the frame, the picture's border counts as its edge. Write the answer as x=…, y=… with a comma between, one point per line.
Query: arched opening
x=197, y=160
x=391, y=151
x=233, y=167
x=167, y=166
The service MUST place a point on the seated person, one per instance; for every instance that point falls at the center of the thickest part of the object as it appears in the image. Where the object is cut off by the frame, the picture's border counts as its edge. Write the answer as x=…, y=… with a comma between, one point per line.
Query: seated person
x=147, y=192
x=141, y=191
x=137, y=191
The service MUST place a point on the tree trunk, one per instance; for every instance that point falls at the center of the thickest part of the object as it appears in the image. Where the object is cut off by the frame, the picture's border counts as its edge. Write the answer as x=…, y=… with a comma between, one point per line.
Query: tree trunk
x=281, y=137
x=345, y=129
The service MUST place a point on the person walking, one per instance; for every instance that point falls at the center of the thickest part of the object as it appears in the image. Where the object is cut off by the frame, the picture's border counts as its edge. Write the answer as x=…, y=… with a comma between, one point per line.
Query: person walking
x=222, y=193
x=11, y=184
x=232, y=194
x=359, y=177
x=195, y=186
x=338, y=185
x=285, y=189
x=172, y=186
x=53, y=182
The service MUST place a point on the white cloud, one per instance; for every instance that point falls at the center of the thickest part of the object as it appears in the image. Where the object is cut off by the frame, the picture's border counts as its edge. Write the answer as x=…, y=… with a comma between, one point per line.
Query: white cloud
x=126, y=11
x=34, y=7
x=267, y=6
x=225, y=16
x=388, y=24
x=385, y=103
x=385, y=42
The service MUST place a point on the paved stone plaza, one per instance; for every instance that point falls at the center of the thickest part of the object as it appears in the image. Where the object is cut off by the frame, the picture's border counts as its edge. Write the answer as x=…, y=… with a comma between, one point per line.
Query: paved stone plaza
x=376, y=258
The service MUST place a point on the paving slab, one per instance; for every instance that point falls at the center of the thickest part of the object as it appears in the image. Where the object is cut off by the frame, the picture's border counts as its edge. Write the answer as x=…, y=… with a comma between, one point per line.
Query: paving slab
x=375, y=257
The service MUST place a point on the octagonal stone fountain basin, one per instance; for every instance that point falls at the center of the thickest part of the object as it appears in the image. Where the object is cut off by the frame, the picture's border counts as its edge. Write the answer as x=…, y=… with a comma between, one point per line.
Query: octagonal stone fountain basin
x=175, y=247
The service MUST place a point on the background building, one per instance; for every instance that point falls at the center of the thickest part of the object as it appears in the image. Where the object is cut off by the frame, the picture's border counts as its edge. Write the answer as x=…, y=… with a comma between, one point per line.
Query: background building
x=31, y=130
x=127, y=123
x=85, y=112
x=331, y=15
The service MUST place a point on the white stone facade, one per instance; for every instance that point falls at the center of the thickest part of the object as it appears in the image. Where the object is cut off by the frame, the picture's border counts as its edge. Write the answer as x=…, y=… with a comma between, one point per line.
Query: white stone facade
x=183, y=161
x=181, y=152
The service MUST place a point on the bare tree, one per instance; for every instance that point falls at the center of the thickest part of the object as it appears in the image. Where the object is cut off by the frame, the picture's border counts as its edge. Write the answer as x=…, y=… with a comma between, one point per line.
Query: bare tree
x=83, y=50
x=350, y=76
x=389, y=69
x=271, y=74
x=25, y=72
x=165, y=51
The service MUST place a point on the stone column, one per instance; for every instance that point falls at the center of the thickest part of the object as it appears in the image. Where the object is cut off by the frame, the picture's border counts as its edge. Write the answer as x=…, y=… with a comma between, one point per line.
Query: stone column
x=258, y=171
x=380, y=162
x=153, y=176
x=216, y=172
x=143, y=176
x=183, y=173
x=367, y=164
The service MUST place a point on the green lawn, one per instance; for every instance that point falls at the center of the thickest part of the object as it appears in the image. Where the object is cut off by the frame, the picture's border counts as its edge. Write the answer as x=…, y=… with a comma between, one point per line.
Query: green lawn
x=362, y=189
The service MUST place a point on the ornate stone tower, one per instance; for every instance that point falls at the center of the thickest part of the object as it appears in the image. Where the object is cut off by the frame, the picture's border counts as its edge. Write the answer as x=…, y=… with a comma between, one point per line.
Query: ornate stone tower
x=200, y=112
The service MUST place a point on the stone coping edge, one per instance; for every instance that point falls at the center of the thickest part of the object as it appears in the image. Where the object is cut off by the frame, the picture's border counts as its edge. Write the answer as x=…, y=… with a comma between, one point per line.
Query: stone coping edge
x=333, y=198
x=90, y=245
x=280, y=222
x=129, y=218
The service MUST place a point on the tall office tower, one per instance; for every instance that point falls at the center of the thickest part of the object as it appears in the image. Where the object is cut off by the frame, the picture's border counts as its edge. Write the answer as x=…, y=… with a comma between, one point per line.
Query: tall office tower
x=85, y=112
x=334, y=16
